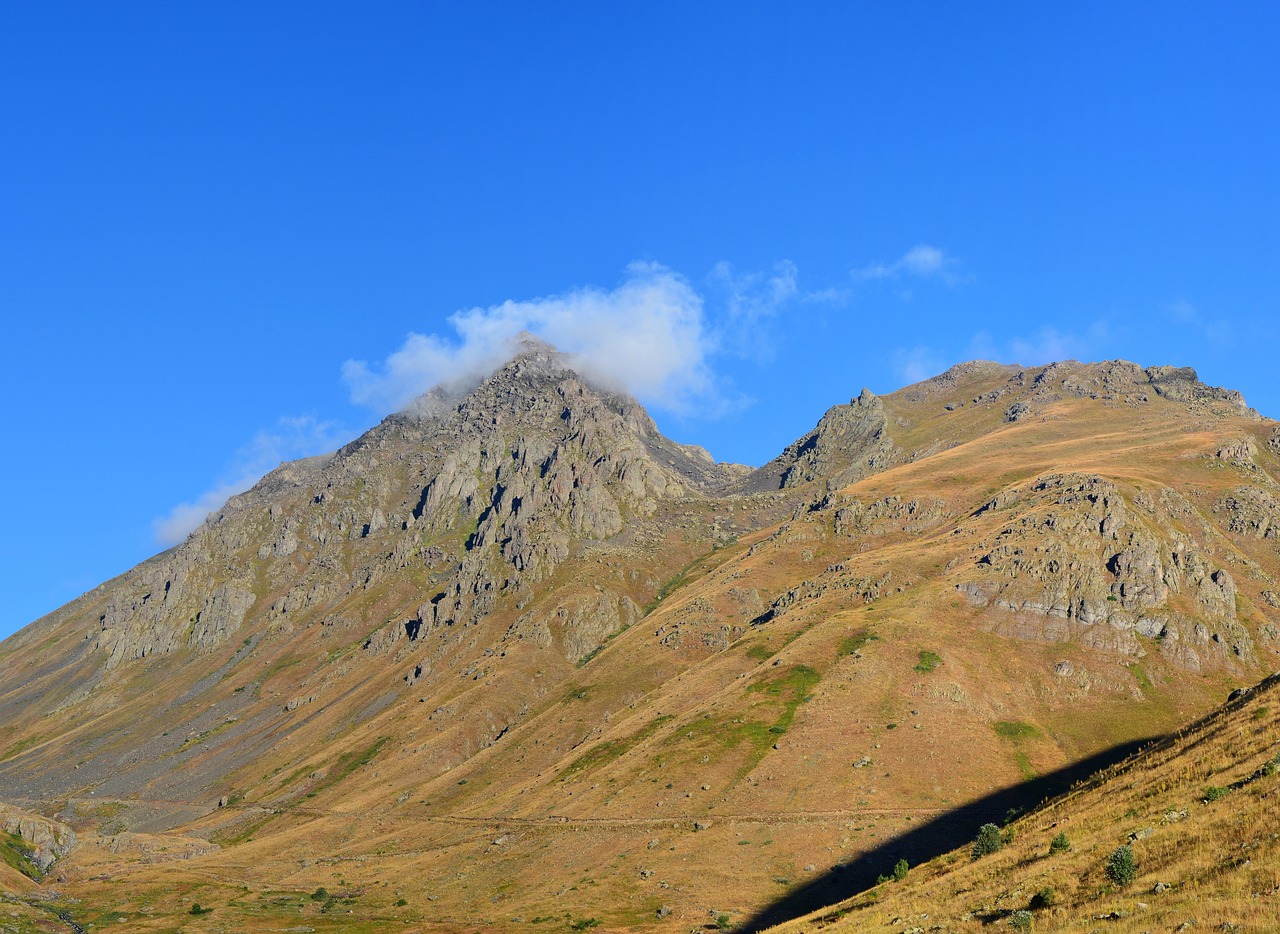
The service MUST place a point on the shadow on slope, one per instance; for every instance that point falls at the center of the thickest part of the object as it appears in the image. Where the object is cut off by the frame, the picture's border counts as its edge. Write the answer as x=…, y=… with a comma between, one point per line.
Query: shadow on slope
x=939, y=836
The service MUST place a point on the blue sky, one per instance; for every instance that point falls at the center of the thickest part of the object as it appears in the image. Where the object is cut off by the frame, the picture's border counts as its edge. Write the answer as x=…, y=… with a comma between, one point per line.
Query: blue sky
x=221, y=223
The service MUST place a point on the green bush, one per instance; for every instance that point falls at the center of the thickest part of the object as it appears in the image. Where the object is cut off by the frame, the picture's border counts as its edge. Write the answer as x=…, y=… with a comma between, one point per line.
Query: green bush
x=900, y=870
x=722, y=921
x=319, y=894
x=1044, y=898
x=197, y=909
x=988, y=840
x=1273, y=766
x=1059, y=844
x=1021, y=920
x=1214, y=792
x=1121, y=866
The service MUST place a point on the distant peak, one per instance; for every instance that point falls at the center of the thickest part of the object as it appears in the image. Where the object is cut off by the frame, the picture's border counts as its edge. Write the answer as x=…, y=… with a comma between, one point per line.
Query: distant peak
x=526, y=343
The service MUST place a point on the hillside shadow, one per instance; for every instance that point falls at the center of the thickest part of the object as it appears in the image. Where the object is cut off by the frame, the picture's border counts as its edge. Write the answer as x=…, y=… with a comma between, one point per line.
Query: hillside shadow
x=938, y=836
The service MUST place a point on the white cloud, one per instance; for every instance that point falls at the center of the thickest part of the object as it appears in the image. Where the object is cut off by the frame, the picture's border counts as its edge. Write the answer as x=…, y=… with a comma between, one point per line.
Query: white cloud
x=749, y=300
x=917, y=363
x=922, y=261
x=1217, y=330
x=1048, y=344
x=290, y=439
x=647, y=336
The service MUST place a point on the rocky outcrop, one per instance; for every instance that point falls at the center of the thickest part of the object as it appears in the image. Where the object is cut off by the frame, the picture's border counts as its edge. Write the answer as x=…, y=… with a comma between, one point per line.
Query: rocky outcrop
x=1251, y=512
x=46, y=841
x=851, y=441
x=1079, y=563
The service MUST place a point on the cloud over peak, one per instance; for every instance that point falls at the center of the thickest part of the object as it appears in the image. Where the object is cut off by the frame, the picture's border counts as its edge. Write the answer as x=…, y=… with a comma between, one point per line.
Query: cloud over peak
x=647, y=336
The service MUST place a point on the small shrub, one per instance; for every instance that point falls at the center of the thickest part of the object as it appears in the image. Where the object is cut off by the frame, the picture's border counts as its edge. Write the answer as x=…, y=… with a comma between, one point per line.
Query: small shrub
x=1214, y=792
x=1044, y=898
x=722, y=922
x=900, y=870
x=1011, y=815
x=320, y=894
x=1021, y=920
x=400, y=902
x=198, y=909
x=988, y=840
x=1059, y=844
x=585, y=924
x=1273, y=766
x=1121, y=866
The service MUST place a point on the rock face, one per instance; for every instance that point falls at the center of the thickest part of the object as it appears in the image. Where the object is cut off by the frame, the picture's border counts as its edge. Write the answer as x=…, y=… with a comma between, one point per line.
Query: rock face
x=47, y=840
x=850, y=441
x=1080, y=562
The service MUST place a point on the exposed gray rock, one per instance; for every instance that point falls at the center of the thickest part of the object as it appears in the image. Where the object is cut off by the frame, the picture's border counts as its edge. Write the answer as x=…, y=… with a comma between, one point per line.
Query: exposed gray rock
x=50, y=840
x=851, y=441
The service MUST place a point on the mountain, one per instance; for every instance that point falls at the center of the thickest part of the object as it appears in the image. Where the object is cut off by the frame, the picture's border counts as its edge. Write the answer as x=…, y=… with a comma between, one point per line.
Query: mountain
x=513, y=658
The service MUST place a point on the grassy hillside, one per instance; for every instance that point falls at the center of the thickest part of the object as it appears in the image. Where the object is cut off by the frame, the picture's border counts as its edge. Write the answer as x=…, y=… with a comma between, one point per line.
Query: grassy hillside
x=1185, y=834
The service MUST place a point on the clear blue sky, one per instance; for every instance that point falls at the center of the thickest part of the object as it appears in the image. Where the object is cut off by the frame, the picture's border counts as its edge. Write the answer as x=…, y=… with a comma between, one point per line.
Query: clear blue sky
x=207, y=210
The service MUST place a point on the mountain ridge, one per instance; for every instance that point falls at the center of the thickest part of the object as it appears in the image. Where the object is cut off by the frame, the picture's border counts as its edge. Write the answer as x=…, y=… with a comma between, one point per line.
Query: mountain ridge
x=526, y=605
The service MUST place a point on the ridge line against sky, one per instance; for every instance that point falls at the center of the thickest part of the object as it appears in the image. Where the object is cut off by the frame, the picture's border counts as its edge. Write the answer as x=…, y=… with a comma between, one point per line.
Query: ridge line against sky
x=223, y=223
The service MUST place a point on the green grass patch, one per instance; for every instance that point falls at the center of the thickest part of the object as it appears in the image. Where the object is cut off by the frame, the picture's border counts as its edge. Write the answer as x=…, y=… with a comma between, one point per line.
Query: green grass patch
x=928, y=661
x=612, y=749
x=760, y=652
x=201, y=737
x=792, y=688
x=858, y=641
x=1144, y=683
x=577, y=692
x=1024, y=765
x=280, y=665
x=20, y=747
x=1014, y=730
x=16, y=853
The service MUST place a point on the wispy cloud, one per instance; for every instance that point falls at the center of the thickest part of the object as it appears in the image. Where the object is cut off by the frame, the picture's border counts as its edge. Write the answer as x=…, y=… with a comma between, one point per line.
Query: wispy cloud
x=747, y=301
x=647, y=336
x=291, y=438
x=1047, y=344
x=920, y=262
x=1215, y=330
x=913, y=364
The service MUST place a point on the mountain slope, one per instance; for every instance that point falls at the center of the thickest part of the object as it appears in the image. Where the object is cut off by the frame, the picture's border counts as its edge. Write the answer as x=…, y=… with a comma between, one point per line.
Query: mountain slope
x=513, y=654
x=1196, y=811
